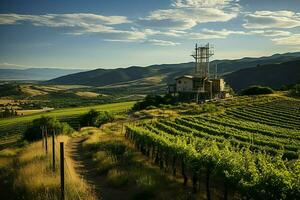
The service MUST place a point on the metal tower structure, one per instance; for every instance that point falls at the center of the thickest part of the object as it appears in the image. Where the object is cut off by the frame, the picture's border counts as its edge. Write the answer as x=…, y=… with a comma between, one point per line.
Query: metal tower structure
x=201, y=56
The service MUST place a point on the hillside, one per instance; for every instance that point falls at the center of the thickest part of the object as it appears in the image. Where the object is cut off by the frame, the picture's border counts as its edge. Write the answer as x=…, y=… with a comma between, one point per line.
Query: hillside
x=227, y=66
x=35, y=73
x=103, y=77
x=166, y=72
x=273, y=75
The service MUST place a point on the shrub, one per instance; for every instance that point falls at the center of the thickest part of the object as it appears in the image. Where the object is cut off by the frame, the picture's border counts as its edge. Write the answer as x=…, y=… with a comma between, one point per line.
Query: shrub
x=295, y=91
x=256, y=90
x=95, y=118
x=154, y=101
x=117, y=178
x=33, y=132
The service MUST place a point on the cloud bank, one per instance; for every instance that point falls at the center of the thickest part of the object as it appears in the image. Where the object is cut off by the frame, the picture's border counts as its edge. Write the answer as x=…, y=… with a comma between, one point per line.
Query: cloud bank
x=159, y=26
x=272, y=19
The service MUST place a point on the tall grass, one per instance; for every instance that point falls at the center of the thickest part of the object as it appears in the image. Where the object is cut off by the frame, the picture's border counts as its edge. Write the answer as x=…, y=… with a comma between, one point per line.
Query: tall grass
x=125, y=169
x=35, y=178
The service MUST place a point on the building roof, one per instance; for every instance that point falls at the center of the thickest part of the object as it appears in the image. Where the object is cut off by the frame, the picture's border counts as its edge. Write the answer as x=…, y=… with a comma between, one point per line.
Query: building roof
x=184, y=76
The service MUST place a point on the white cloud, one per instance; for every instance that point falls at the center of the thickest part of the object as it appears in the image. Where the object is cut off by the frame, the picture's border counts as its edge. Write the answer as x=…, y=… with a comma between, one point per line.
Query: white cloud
x=292, y=40
x=186, y=14
x=117, y=40
x=272, y=19
x=84, y=23
x=63, y=20
x=200, y=3
x=113, y=34
x=79, y=24
x=214, y=34
x=162, y=42
x=6, y=65
x=271, y=33
x=173, y=33
x=224, y=33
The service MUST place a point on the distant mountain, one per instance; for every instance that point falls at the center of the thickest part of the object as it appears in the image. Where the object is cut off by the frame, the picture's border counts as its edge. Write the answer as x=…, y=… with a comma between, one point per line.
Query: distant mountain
x=273, y=75
x=227, y=66
x=165, y=73
x=103, y=77
x=35, y=73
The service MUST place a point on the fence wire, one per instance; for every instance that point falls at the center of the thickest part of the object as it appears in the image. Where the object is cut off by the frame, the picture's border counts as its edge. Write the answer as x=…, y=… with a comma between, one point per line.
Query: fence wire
x=57, y=160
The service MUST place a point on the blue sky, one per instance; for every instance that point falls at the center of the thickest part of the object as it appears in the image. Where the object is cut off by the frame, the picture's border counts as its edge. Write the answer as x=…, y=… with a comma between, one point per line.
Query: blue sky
x=121, y=33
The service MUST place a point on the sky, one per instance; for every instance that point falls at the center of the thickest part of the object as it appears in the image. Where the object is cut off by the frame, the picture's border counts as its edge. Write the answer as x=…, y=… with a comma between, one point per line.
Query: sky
x=92, y=34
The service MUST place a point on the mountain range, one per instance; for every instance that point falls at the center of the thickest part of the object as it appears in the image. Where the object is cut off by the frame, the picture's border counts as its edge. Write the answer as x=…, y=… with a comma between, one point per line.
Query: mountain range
x=274, y=71
x=273, y=75
x=154, y=75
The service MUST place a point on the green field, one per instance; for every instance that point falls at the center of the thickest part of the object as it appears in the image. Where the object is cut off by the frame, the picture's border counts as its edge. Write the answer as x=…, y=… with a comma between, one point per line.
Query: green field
x=252, y=147
x=12, y=128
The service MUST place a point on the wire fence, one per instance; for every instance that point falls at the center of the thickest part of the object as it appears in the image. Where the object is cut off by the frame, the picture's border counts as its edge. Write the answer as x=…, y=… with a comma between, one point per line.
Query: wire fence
x=67, y=168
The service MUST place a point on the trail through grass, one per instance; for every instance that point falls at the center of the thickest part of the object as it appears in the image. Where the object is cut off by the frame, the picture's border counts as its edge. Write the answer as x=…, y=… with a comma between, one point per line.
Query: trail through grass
x=118, y=170
x=31, y=176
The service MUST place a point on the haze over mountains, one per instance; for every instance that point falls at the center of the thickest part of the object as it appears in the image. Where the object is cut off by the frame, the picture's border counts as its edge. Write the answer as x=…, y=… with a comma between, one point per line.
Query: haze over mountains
x=35, y=73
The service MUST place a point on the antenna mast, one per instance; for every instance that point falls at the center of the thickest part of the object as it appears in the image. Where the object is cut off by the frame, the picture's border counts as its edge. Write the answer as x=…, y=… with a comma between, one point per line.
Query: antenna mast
x=201, y=56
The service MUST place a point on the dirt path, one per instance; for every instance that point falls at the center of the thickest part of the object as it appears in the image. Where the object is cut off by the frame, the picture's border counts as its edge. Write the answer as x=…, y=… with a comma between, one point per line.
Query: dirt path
x=85, y=168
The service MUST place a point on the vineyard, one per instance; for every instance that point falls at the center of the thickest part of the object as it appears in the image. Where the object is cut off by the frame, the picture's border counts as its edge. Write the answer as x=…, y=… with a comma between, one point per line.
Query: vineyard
x=251, y=149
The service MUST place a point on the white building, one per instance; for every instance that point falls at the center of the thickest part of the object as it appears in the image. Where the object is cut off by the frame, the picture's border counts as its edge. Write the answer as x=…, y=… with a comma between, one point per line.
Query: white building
x=184, y=83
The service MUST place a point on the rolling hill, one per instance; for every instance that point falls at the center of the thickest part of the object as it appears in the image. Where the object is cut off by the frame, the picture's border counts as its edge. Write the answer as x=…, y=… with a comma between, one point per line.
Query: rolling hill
x=137, y=76
x=103, y=77
x=273, y=75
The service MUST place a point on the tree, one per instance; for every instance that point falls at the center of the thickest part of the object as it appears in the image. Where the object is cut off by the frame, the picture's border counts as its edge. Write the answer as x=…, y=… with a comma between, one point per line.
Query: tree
x=256, y=90
x=33, y=132
x=295, y=90
x=90, y=118
x=95, y=118
x=154, y=100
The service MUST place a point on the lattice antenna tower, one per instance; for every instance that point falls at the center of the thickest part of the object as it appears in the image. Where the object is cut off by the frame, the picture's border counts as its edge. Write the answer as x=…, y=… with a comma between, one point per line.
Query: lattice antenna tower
x=201, y=56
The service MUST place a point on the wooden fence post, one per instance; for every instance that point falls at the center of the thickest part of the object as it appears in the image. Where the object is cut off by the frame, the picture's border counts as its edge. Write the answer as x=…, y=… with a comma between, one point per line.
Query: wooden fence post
x=42, y=129
x=46, y=140
x=53, y=150
x=62, y=171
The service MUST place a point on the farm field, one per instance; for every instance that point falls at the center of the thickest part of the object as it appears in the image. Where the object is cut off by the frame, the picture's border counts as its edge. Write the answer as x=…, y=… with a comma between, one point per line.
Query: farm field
x=11, y=128
x=243, y=147
x=251, y=146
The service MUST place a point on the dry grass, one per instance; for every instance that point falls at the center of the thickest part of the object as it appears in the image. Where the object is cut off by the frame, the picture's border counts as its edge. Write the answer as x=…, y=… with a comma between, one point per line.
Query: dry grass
x=30, y=112
x=154, y=113
x=36, y=179
x=32, y=91
x=47, y=88
x=125, y=169
x=155, y=79
x=87, y=94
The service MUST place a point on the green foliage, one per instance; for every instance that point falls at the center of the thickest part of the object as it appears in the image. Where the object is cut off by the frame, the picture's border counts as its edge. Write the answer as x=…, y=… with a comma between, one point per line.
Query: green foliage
x=96, y=118
x=49, y=124
x=256, y=90
x=254, y=174
x=12, y=129
x=10, y=90
x=154, y=100
x=8, y=113
x=253, y=149
x=295, y=90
